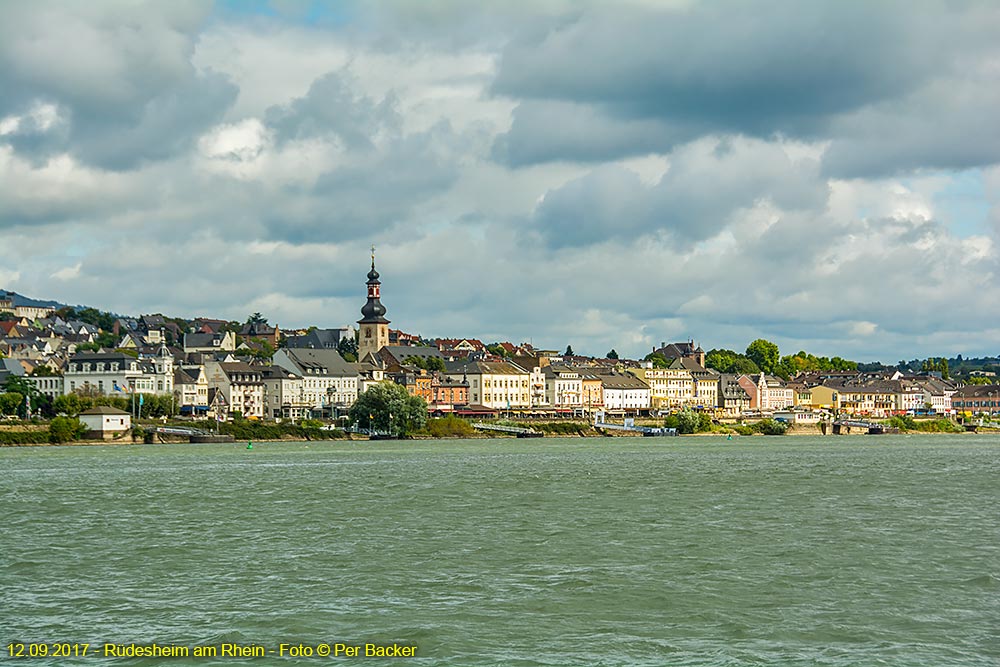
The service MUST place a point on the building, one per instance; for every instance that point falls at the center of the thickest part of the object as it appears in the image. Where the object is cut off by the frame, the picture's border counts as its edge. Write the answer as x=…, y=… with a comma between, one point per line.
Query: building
x=113, y=373
x=977, y=399
x=563, y=387
x=767, y=392
x=240, y=385
x=209, y=343
x=191, y=389
x=106, y=422
x=263, y=331
x=498, y=385
x=669, y=388
x=320, y=339
x=284, y=394
x=733, y=398
x=448, y=393
x=688, y=350
x=624, y=392
x=329, y=384
x=373, y=328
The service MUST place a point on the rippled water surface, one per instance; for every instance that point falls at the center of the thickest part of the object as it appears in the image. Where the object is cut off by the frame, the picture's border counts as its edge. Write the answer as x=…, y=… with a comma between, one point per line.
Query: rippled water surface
x=683, y=551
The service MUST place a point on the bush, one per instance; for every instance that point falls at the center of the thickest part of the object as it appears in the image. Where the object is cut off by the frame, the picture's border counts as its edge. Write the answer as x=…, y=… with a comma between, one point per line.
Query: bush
x=743, y=429
x=64, y=429
x=449, y=427
x=689, y=421
x=770, y=427
x=561, y=428
x=24, y=437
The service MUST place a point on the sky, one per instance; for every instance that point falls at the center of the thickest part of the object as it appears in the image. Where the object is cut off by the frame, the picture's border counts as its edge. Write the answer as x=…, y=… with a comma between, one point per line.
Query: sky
x=825, y=175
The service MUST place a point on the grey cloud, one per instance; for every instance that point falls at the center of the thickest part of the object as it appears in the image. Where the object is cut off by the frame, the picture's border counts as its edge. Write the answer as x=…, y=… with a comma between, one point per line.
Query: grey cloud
x=552, y=130
x=754, y=69
x=332, y=107
x=120, y=74
x=706, y=183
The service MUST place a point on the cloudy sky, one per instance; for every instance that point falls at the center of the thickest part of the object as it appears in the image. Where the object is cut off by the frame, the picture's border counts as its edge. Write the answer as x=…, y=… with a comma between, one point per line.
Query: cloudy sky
x=605, y=174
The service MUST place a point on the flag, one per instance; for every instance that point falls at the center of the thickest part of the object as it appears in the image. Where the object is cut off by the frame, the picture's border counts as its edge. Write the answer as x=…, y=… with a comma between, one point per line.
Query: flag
x=141, y=396
x=115, y=386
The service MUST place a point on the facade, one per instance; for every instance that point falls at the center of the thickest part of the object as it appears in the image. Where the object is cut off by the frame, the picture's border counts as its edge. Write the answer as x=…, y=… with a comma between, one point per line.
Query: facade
x=329, y=383
x=284, y=394
x=48, y=385
x=191, y=389
x=977, y=399
x=448, y=393
x=496, y=385
x=624, y=392
x=241, y=387
x=563, y=387
x=767, y=393
x=669, y=388
x=113, y=373
x=373, y=328
x=209, y=343
x=106, y=422
x=733, y=398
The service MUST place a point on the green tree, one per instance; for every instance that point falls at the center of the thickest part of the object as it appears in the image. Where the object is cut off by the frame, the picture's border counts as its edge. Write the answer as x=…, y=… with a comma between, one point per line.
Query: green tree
x=10, y=403
x=69, y=404
x=497, y=349
x=388, y=407
x=659, y=361
x=348, y=348
x=416, y=361
x=65, y=429
x=257, y=318
x=765, y=354
x=612, y=354
x=569, y=351
x=688, y=421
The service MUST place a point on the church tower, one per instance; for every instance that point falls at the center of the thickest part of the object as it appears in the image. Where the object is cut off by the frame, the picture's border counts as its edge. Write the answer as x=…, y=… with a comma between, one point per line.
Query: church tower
x=373, y=333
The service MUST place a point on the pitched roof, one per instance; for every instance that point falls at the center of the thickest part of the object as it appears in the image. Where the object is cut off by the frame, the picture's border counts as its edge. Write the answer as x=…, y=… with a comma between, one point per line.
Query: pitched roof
x=320, y=362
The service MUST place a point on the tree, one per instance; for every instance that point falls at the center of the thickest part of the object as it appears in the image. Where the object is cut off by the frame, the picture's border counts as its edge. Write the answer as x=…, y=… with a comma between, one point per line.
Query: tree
x=389, y=408
x=612, y=354
x=257, y=318
x=64, y=429
x=569, y=351
x=659, y=361
x=348, y=348
x=10, y=403
x=765, y=354
x=498, y=350
x=69, y=404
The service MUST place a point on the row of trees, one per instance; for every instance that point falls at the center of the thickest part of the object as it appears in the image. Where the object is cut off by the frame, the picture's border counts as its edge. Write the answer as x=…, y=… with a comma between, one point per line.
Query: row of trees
x=763, y=356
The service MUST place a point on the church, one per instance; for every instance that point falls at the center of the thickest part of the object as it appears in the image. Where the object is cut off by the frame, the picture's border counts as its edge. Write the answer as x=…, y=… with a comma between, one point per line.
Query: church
x=373, y=328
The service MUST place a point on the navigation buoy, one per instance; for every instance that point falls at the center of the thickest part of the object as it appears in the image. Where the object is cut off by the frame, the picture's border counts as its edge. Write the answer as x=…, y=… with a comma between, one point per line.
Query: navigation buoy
x=249, y=445
x=729, y=437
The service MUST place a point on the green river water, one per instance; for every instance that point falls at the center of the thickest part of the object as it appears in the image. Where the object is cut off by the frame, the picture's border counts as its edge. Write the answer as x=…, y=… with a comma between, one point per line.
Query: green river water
x=628, y=551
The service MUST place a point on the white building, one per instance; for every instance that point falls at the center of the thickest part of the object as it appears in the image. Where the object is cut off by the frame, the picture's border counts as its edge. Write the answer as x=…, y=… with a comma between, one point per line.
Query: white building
x=117, y=373
x=624, y=392
x=240, y=384
x=284, y=394
x=106, y=422
x=563, y=387
x=191, y=390
x=328, y=382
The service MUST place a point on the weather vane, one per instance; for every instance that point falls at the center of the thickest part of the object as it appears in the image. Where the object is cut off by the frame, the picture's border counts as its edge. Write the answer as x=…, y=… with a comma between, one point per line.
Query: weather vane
x=373, y=255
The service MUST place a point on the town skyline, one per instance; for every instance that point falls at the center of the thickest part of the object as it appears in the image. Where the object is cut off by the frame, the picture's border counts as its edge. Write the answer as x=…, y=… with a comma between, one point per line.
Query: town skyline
x=714, y=171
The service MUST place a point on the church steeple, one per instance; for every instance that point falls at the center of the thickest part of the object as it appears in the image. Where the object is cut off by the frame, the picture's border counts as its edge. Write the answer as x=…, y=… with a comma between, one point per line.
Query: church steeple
x=374, y=329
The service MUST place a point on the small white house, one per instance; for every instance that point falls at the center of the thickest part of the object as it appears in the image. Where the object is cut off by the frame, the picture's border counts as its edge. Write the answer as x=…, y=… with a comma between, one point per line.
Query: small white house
x=106, y=422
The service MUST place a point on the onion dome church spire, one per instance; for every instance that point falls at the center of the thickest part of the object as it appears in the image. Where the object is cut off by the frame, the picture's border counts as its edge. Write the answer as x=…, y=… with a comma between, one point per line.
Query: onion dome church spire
x=373, y=333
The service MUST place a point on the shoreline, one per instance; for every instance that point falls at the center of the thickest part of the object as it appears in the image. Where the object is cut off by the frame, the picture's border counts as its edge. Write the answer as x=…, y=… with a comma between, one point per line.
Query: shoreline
x=792, y=434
